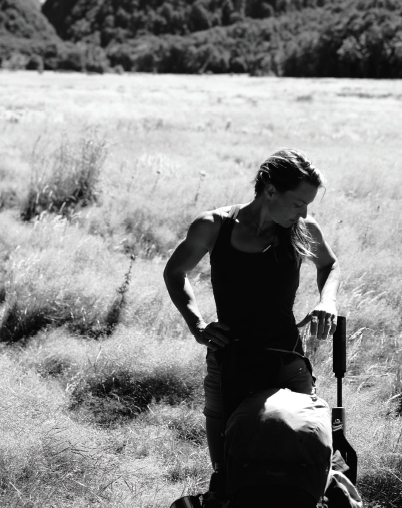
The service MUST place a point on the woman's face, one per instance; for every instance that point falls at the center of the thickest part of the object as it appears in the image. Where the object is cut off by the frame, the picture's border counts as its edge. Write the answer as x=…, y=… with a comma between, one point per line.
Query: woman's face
x=286, y=208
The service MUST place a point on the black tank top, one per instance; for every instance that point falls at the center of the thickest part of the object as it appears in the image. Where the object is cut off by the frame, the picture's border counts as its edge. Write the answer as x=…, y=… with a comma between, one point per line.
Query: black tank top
x=255, y=292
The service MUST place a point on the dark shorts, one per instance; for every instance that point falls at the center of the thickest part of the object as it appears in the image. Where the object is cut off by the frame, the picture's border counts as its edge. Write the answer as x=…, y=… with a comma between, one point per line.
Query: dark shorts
x=295, y=376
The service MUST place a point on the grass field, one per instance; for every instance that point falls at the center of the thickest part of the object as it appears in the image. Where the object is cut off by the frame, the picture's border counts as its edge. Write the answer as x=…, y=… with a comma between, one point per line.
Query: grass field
x=100, y=176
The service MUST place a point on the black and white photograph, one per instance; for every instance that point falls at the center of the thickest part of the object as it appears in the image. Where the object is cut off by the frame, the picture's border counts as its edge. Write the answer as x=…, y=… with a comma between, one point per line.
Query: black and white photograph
x=201, y=253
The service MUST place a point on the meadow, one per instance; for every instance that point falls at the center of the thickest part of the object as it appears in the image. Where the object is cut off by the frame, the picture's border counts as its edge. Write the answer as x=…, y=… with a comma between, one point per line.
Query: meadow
x=101, y=382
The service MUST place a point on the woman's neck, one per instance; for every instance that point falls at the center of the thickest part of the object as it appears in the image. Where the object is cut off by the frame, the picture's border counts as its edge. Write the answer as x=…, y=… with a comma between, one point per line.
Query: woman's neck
x=259, y=218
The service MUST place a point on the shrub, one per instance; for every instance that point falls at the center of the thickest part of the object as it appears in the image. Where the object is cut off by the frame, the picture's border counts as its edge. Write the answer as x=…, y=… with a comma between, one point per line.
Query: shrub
x=238, y=65
x=95, y=59
x=120, y=56
x=35, y=63
x=72, y=59
x=16, y=61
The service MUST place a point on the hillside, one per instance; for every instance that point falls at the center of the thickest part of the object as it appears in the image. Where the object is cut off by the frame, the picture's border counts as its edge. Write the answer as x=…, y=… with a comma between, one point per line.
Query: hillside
x=301, y=38
x=104, y=21
x=28, y=40
x=351, y=38
x=25, y=34
x=341, y=38
x=23, y=18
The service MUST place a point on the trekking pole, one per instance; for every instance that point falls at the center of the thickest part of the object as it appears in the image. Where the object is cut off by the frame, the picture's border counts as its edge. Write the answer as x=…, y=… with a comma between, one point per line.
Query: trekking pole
x=339, y=369
x=340, y=442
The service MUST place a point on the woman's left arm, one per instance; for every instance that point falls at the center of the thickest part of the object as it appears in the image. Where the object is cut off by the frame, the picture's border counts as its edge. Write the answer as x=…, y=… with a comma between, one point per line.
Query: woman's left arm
x=324, y=315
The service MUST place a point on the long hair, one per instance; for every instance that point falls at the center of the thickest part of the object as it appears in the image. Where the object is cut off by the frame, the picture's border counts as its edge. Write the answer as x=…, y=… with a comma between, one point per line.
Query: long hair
x=285, y=170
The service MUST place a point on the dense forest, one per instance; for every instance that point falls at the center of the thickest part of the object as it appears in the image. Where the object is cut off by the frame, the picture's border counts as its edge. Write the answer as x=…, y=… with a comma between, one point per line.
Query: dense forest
x=331, y=38
x=104, y=21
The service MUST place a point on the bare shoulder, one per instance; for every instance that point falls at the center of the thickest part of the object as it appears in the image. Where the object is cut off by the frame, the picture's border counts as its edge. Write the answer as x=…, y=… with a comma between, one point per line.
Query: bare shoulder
x=208, y=220
x=324, y=256
x=214, y=215
x=313, y=228
x=206, y=226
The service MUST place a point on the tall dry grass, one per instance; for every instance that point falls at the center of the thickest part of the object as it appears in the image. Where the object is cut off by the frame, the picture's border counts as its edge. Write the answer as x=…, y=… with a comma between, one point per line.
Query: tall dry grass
x=102, y=382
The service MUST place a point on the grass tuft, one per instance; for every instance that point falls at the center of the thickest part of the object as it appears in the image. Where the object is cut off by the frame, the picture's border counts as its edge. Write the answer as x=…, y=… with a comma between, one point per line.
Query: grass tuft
x=19, y=323
x=49, y=287
x=383, y=488
x=72, y=182
x=180, y=472
x=188, y=426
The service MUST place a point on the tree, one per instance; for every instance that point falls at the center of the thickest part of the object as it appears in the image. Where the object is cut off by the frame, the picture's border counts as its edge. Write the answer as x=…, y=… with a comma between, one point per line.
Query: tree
x=227, y=11
x=199, y=18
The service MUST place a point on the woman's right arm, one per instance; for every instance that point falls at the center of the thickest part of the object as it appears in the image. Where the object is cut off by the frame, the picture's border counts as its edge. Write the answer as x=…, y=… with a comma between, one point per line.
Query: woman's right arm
x=199, y=241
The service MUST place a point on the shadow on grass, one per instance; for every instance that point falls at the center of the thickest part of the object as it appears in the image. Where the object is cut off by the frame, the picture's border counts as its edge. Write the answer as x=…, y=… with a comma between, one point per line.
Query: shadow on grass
x=22, y=319
x=122, y=396
x=53, y=366
x=382, y=489
x=18, y=324
x=21, y=322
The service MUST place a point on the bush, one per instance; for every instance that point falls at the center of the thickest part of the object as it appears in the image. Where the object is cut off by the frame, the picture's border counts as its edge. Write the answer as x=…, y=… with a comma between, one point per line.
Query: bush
x=16, y=61
x=120, y=57
x=35, y=63
x=51, y=56
x=238, y=65
x=95, y=59
x=72, y=59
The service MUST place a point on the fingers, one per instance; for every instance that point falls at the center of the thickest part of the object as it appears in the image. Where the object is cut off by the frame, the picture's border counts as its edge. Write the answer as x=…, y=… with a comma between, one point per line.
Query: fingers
x=213, y=335
x=322, y=324
x=327, y=327
x=218, y=324
x=333, y=325
x=313, y=324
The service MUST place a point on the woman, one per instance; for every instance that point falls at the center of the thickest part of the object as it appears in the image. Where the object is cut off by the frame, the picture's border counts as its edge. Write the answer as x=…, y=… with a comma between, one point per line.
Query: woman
x=256, y=251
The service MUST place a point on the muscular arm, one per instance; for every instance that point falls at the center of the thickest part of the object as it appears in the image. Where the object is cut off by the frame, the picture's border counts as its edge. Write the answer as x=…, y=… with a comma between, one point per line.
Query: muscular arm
x=328, y=271
x=323, y=316
x=199, y=241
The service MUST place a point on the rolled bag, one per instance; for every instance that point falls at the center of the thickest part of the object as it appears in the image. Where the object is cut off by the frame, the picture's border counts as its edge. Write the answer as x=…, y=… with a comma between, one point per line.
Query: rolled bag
x=279, y=437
